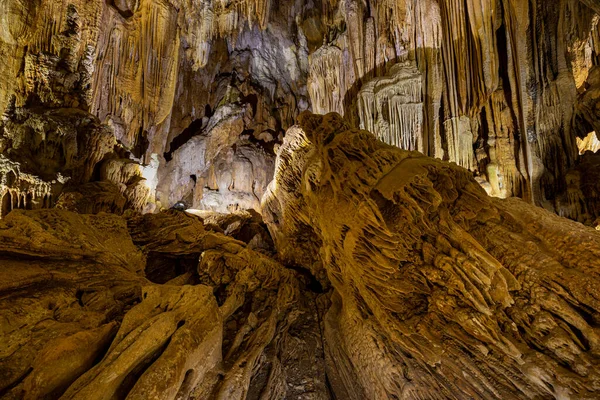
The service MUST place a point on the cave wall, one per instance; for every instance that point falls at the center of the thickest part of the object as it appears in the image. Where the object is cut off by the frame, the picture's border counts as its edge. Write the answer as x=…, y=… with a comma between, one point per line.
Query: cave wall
x=500, y=87
x=157, y=74
x=496, y=90
x=394, y=275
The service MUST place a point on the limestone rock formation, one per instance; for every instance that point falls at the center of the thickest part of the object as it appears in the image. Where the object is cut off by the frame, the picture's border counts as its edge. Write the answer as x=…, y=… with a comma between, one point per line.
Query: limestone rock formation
x=82, y=318
x=22, y=190
x=498, y=83
x=93, y=198
x=438, y=291
x=219, y=169
x=396, y=276
x=175, y=223
x=502, y=88
x=149, y=70
x=66, y=279
x=581, y=200
x=44, y=150
x=392, y=108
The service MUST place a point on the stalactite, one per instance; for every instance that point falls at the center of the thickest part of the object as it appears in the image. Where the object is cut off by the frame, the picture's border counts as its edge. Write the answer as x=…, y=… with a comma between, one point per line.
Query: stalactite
x=391, y=107
x=326, y=80
x=500, y=169
x=19, y=190
x=460, y=141
x=470, y=59
x=148, y=68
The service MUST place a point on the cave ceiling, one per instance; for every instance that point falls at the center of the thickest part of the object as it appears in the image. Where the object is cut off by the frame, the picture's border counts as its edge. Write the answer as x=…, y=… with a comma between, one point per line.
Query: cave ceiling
x=304, y=199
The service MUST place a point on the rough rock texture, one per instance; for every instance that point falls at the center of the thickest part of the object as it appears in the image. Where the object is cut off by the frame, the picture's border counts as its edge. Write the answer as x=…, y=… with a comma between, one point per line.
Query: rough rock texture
x=219, y=169
x=22, y=190
x=92, y=198
x=391, y=107
x=377, y=272
x=438, y=291
x=82, y=318
x=582, y=197
x=502, y=88
x=246, y=226
x=66, y=279
x=152, y=71
x=490, y=85
x=396, y=276
x=42, y=150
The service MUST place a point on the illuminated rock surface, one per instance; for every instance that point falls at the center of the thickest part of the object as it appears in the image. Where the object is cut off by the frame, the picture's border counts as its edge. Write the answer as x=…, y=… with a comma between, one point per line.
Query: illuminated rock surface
x=395, y=276
x=439, y=291
x=175, y=223
x=502, y=88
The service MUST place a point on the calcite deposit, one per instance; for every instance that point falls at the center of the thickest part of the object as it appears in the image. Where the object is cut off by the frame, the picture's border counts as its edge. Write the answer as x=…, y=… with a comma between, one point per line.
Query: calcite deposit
x=392, y=275
x=502, y=88
x=305, y=199
x=437, y=290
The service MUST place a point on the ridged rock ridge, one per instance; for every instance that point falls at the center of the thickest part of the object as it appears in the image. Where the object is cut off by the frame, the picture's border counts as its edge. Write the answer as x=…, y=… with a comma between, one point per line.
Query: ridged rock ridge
x=438, y=291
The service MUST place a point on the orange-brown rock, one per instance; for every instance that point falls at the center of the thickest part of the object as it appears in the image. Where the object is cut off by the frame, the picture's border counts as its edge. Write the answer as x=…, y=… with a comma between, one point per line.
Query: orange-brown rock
x=438, y=291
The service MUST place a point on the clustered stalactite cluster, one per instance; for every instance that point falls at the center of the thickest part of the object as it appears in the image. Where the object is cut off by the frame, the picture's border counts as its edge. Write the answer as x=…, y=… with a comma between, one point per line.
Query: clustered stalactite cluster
x=392, y=108
x=154, y=72
x=502, y=88
x=503, y=85
x=349, y=255
x=22, y=191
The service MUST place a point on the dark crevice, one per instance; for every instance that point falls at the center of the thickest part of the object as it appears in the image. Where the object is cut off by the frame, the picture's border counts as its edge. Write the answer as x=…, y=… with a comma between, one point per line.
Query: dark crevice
x=141, y=144
x=588, y=314
x=20, y=379
x=231, y=329
x=310, y=281
x=251, y=99
x=268, y=147
x=161, y=268
x=580, y=336
x=79, y=296
x=194, y=129
x=186, y=385
x=208, y=111
x=131, y=379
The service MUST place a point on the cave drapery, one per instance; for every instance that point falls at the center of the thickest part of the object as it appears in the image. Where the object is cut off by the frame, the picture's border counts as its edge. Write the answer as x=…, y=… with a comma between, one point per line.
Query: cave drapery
x=318, y=199
x=197, y=95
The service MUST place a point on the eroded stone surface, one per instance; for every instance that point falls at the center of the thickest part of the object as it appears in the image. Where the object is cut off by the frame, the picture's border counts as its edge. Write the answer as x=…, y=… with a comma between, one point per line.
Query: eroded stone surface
x=155, y=306
x=388, y=275
x=502, y=88
x=439, y=291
